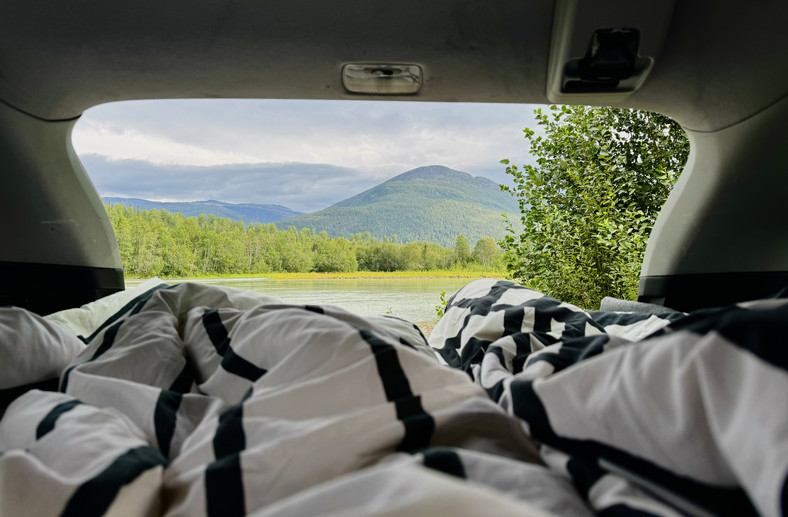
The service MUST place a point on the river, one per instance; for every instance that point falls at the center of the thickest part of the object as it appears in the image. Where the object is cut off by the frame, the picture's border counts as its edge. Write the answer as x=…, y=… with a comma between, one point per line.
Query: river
x=413, y=299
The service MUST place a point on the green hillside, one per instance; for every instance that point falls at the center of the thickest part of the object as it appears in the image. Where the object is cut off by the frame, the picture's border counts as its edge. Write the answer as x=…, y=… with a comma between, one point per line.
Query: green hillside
x=431, y=203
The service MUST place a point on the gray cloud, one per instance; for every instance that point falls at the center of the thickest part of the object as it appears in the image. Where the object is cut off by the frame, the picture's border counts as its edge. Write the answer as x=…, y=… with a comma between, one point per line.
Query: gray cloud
x=302, y=154
x=302, y=187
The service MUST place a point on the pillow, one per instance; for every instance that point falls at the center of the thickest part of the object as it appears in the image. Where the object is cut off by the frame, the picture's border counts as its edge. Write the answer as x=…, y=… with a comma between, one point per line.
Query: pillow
x=83, y=321
x=33, y=349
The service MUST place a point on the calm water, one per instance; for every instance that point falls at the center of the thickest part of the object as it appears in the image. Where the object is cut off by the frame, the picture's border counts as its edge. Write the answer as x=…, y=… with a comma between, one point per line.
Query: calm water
x=413, y=299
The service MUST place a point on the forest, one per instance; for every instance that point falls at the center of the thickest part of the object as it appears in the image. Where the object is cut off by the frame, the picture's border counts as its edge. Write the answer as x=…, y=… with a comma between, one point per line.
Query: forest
x=160, y=243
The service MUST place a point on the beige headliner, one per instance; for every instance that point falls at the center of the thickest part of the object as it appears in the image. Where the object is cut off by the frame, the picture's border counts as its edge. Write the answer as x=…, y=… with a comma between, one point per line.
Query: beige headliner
x=59, y=58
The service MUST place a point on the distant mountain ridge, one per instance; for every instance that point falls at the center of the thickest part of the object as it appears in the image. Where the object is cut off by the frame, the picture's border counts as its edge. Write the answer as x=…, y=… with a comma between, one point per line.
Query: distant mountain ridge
x=432, y=203
x=247, y=212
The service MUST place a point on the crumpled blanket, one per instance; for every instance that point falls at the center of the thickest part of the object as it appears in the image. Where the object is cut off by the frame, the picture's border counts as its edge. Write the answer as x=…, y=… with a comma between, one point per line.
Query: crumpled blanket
x=646, y=414
x=200, y=400
x=203, y=400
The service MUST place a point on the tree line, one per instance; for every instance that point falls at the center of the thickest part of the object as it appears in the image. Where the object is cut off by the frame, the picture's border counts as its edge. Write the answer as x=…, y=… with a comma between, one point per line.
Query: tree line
x=160, y=243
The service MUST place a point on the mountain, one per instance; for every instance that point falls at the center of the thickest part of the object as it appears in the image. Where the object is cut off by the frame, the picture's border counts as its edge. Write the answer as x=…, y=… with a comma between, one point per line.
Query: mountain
x=248, y=212
x=431, y=203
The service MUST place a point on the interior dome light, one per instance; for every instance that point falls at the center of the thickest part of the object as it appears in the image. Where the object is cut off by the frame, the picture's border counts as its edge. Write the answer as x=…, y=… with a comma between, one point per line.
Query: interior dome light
x=379, y=79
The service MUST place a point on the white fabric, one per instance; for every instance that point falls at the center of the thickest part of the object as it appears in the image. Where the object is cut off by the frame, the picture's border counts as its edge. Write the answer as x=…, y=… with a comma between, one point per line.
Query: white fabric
x=279, y=399
x=86, y=319
x=33, y=349
x=400, y=489
x=688, y=408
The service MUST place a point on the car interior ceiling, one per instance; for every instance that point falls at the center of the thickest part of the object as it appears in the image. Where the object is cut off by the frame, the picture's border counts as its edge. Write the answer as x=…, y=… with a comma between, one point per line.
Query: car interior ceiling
x=717, y=68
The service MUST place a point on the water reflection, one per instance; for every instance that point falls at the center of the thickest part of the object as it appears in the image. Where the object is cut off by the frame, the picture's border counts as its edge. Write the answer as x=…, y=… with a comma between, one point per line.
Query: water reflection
x=413, y=299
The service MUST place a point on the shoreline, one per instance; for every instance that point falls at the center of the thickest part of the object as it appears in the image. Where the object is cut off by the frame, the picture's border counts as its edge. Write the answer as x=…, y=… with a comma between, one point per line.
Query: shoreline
x=426, y=327
x=355, y=275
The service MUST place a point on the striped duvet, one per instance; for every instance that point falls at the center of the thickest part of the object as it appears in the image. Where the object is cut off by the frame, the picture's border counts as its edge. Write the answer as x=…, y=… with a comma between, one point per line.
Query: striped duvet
x=204, y=400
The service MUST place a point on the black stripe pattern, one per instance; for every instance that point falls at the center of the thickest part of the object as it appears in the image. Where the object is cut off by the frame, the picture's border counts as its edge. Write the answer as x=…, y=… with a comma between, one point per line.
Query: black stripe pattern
x=48, y=422
x=106, y=343
x=510, y=339
x=224, y=487
x=239, y=366
x=446, y=460
x=718, y=500
x=419, y=425
x=757, y=331
x=547, y=312
x=131, y=308
x=622, y=510
x=185, y=380
x=165, y=417
x=231, y=361
x=94, y=497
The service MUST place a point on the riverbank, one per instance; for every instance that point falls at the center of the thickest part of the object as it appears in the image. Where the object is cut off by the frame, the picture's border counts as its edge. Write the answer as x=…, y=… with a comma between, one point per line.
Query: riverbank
x=426, y=327
x=412, y=296
x=354, y=275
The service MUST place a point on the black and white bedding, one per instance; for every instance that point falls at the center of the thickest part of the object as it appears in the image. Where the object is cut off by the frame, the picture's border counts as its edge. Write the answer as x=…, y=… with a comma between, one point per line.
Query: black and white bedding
x=205, y=400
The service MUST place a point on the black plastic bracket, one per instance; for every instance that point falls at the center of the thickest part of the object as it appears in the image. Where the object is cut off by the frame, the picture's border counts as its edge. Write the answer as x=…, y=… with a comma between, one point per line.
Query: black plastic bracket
x=47, y=288
x=689, y=292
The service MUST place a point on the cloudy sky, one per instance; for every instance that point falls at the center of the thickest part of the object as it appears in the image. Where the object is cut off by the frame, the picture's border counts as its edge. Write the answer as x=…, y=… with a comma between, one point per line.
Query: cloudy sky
x=305, y=155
